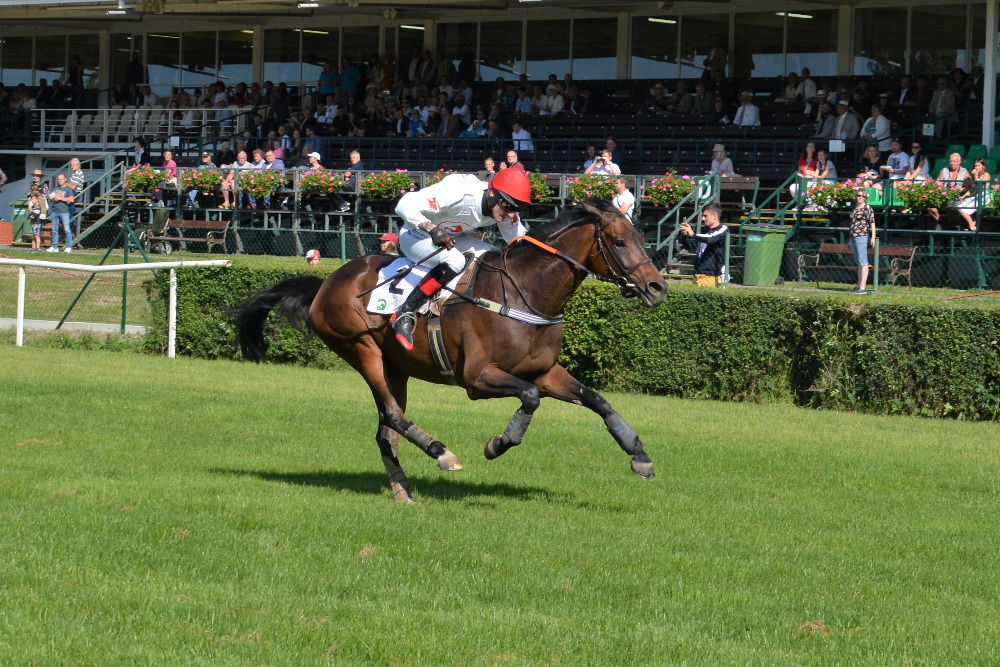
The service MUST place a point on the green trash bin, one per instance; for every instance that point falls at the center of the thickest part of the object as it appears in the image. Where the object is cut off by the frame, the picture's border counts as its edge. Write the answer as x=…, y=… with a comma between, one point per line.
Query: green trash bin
x=765, y=248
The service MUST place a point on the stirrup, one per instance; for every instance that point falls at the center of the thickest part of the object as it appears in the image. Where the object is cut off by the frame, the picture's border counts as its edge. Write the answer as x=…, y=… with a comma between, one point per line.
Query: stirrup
x=403, y=323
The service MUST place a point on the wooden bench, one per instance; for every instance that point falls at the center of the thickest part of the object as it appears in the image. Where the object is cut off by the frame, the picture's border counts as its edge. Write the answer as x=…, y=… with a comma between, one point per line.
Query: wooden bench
x=899, y=267
x=173, y=232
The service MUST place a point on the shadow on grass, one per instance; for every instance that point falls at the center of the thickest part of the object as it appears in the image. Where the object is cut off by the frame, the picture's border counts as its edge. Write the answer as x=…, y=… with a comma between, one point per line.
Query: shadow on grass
x=378, y=484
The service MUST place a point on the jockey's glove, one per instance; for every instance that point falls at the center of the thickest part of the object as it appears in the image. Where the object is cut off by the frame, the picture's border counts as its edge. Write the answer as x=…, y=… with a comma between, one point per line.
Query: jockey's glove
x=441, y=239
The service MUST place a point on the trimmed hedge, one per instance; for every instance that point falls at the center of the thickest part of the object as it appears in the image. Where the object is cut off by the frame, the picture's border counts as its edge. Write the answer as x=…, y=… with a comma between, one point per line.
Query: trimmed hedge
x=893, y=357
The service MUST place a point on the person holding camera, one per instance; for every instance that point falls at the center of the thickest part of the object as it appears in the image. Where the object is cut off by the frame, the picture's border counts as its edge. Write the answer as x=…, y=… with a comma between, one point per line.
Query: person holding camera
x=603, y=166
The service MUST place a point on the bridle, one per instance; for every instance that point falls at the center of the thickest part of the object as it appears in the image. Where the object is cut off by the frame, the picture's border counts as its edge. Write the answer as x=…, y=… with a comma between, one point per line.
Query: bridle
x=620, y=273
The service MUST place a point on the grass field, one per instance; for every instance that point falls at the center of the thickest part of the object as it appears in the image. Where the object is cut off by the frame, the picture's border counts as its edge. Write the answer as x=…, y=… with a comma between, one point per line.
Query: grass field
x=162, y=511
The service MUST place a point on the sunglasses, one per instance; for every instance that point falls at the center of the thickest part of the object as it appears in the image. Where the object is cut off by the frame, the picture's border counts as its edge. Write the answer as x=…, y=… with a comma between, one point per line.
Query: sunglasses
x=508, y=206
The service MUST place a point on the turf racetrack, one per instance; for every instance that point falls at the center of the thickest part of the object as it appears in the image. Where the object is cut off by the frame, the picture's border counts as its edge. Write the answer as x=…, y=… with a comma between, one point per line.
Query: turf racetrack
x=163, y=511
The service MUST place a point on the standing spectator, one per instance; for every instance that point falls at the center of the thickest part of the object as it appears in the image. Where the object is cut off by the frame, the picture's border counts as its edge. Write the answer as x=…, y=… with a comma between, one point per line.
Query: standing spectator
x=942, y=104
x=877, y=129
x=36, y=179
x=388, y=244
x=522, y=139
x=77, y=181
x=329, y=82
x=862, y=236
x=721, y=164
x=512, y=162
x=709, y=247
x=35, y=200
x=349, y=79
x=623, y=200
x=748, y=115
x=169, y=178
x=62, y=204
x=717, y=57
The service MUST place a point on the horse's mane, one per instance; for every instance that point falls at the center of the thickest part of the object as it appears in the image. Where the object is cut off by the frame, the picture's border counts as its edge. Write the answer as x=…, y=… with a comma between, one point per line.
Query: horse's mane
x=568, y=216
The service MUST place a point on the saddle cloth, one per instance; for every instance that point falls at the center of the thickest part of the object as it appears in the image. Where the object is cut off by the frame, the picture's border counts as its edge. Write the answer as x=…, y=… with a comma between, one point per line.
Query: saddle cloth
x=384, y=300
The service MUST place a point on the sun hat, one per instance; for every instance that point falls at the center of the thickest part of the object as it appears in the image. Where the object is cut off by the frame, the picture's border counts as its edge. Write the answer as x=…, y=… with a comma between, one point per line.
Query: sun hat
x=37, y=172
x=843, y=103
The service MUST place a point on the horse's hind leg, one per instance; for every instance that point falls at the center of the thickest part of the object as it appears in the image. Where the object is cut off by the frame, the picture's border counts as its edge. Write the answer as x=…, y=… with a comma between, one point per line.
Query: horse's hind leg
x=558, y=383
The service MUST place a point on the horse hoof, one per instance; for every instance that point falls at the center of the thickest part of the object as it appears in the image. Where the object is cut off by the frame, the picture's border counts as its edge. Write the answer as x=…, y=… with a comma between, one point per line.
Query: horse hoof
x=643, y=469
x=449, y=461
x=401, y=495
x=489, y=449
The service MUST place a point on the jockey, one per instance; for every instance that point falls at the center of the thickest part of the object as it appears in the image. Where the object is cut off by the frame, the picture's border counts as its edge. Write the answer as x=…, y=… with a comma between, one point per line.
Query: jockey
x=456, y=204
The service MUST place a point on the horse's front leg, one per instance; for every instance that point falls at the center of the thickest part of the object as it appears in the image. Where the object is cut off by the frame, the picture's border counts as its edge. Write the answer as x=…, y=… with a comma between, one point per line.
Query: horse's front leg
x=558, y=383
x=495, y=383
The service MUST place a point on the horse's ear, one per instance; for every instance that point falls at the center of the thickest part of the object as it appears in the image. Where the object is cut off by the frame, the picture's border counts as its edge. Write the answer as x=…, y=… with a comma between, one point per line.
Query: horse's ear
x=593, y=210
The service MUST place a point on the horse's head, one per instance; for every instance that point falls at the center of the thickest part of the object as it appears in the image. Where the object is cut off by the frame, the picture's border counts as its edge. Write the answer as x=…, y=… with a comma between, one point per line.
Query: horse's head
x=619, y=256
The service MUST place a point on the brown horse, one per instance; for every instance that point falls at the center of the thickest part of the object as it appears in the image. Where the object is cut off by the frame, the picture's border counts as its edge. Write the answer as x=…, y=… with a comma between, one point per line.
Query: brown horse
x=492, y=355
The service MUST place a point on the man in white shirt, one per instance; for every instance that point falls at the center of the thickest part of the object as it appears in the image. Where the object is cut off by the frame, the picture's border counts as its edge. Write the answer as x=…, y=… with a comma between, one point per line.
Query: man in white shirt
x=898, y=160
x=461, y=110
x=748, y=115
x=522, y=139
x=445, y=87
x=806, y=90
x=623, y=200
x=603, y=166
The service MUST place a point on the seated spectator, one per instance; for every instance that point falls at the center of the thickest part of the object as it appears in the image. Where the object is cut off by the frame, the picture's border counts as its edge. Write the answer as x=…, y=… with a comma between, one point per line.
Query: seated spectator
x=681, y=102
x=826, y=170
x=489, y=169
x=790, y=93
x=703, y=103
x=806, y=167
x=657, y=103
x=523, y=103
x=748, y=115
x=898, y=161
x=877, y=129
x=826, y=122
x=591, y=156
x=623, y=200
x=512, y=162
x=967, y=204
x=919, y=165
x=873, y=167
x=950, y=175
x=721, y=164
x=720, y=116
x=478, y=126
x=847, y=126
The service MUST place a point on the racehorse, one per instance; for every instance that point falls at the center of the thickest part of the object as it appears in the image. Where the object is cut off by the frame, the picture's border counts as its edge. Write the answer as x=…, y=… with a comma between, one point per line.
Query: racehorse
x=492, y=354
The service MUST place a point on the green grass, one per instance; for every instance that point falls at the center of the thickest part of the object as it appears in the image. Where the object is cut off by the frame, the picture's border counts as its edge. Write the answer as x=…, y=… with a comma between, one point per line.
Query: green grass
x=190, y=512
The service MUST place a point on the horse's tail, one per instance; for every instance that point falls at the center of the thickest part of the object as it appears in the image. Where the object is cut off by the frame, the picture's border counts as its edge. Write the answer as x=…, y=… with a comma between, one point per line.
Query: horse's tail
x=290, y=299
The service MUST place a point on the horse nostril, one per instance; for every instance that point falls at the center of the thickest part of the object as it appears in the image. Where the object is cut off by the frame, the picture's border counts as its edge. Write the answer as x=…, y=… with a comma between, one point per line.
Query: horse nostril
x=657, y=287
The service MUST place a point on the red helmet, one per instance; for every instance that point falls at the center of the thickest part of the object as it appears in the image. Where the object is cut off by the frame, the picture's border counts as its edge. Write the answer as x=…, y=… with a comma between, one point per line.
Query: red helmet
x=513, y=186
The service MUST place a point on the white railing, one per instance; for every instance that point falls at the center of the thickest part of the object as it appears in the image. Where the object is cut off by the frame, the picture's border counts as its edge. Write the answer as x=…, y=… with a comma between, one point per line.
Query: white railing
x=114, y=127
x=107, y=268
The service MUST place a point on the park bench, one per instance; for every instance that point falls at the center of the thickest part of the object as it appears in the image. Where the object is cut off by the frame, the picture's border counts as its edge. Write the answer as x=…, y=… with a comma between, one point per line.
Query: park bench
x=899, y=267
x=173, y=232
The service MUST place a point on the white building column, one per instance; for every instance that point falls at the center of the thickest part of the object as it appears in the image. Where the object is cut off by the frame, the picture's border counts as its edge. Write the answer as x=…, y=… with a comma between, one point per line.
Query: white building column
x=990, y=73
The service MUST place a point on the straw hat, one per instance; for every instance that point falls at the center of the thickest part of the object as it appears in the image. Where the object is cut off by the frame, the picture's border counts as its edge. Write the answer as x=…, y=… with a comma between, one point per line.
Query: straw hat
x=37, y=172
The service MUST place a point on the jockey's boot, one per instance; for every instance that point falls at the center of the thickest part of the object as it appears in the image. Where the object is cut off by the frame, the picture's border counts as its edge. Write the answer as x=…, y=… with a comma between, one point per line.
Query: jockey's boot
x=404, y=320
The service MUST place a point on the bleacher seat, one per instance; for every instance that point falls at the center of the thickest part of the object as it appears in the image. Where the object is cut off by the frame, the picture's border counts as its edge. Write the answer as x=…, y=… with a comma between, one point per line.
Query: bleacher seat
x=977, y=150
x=954, y=148
x=874, y=197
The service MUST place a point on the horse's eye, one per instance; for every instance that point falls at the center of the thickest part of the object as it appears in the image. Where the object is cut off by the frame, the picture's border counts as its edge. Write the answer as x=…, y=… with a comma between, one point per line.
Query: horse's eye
x=619, y=243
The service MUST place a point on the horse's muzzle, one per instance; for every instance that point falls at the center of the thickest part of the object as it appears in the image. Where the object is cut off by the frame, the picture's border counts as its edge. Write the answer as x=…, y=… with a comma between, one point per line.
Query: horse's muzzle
x=652, y=295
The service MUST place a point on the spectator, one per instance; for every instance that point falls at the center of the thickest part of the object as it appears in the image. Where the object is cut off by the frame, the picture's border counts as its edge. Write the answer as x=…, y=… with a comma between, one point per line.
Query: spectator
x=139, y=154
x=603, y=166
x=719, y=116
x=77, y=181
x=522, y=139
x=592, y=155
x=461, y=110
x=967, y=204
x=951, y=174
x=523, y=103
x=388, y=244
x=512, y=162
x=807, y=90
x=806, y=167
x=877, y=129
x=489, y=169
x=826, y=171
x=312, y=257
x=681, y=102
x=611, y=143
x=748, y=115
x=349, y=79
x=623, y=200
x=942, y=104
x=329, y=82
x=539, y=101
x=416, y=127
x=847, y=126
x=721, y=164
x=61, y=197
x=709, y=246
x=35, y=200
x=451, y=125
x=229, y=179
x=790, y=93
x=826, y=123
x=919, y=166
x=149, y=98
x=898, y=161
x=169, y=179
x=873, y=166
x=717, y=57
x=704, y=101
x=862, y=236
x=206, y=163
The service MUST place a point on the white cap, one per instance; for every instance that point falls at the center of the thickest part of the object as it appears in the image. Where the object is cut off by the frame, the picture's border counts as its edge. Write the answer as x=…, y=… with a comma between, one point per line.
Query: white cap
x=315, y=155
x=312, y=254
